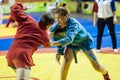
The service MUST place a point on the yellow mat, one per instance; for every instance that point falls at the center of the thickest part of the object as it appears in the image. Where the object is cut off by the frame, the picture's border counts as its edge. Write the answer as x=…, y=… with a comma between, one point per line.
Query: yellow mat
x=48, y=69
x=5, y=32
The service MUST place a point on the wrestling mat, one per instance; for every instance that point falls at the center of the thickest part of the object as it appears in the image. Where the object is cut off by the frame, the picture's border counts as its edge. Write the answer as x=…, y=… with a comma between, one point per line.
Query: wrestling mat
x=46, y=67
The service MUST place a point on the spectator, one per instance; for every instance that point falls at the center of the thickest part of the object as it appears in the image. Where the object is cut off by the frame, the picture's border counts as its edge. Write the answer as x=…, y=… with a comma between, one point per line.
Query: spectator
x=79, y=6
x=105, y=10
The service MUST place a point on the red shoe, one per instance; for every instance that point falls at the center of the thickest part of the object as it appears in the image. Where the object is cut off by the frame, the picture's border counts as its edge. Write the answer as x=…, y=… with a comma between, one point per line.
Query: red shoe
x=106, y=76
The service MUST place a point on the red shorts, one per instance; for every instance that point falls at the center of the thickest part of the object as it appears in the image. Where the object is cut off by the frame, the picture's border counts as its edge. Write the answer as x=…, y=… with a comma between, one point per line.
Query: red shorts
x=18, y=63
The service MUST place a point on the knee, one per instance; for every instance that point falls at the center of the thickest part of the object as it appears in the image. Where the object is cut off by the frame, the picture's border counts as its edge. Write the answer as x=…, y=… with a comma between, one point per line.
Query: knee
x=100, y=69
x=97, y=69
x=67, y=59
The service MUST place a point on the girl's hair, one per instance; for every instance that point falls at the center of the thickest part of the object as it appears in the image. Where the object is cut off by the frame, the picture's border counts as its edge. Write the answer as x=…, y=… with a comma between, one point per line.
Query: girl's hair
x=62, y=10
x=47, y=19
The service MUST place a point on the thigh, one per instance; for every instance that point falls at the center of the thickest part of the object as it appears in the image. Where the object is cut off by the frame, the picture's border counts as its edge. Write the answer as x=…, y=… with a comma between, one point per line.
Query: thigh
x=69, y=54
x=111, y=26
x=91, y=54
x=100, y=25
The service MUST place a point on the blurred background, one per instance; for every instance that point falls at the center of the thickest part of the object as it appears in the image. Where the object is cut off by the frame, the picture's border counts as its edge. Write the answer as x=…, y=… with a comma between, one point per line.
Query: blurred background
x=84, y=6
x=80, y=9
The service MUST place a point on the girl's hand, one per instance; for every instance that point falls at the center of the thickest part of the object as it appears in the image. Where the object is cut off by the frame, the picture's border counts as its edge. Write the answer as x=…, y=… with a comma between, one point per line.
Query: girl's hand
x=58, y=58
x=51, y=43
x=115, y=20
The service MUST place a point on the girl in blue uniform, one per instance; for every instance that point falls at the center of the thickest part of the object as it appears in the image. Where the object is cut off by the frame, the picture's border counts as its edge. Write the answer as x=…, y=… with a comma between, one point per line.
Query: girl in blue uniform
x=70, y=37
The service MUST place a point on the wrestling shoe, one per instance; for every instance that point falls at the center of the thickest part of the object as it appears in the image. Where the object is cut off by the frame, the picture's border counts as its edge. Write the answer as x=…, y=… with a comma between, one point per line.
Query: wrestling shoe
x=106, y=76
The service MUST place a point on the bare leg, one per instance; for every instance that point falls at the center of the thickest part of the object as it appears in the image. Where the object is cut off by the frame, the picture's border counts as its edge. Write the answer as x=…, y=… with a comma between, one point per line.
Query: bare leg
x=96, y=64
x=22, y=74
x=68, y=57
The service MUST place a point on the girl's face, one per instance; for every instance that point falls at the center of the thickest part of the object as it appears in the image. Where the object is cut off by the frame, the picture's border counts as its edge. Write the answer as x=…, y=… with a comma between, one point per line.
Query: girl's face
x=62, y=20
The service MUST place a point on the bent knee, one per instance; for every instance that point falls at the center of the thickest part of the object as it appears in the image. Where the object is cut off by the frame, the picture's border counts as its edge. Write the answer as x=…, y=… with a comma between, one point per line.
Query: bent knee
x=99, y=69
x=68, y=59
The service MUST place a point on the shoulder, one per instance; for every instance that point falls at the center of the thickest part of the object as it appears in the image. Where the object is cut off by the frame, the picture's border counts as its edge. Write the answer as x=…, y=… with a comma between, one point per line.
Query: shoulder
x=73, y=23
x=72, y=20
x=96, y=1
x=112, y=0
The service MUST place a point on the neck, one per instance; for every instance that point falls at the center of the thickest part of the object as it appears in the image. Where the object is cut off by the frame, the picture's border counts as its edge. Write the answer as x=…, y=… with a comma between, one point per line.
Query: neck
x=63, y=25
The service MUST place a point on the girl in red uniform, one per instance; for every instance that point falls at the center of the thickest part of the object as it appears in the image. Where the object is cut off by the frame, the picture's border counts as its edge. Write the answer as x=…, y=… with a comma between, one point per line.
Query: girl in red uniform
x=29, y=36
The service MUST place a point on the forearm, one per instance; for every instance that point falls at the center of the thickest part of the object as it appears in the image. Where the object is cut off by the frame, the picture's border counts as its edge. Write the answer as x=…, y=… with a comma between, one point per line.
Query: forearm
x=114, y=17
x=94, y=18
x=114, y=14
x=7, y=25
x=55, y=43
x=51, y=34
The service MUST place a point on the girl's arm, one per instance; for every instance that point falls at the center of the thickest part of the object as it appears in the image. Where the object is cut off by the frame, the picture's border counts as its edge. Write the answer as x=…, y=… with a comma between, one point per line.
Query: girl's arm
x=95, y=10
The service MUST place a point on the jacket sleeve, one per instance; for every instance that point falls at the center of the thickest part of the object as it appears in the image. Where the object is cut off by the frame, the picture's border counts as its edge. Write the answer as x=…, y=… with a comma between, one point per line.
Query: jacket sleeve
x=72, y=31
x=18, y=14
x=113, y=7
x=9, y=21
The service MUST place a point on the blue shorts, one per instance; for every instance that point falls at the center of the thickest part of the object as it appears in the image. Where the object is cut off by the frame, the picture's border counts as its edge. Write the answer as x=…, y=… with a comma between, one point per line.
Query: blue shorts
x=85, y=45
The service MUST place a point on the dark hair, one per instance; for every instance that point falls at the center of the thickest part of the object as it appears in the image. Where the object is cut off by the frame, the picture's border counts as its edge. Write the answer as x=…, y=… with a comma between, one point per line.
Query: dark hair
x=62, y=9
x=47, y=19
